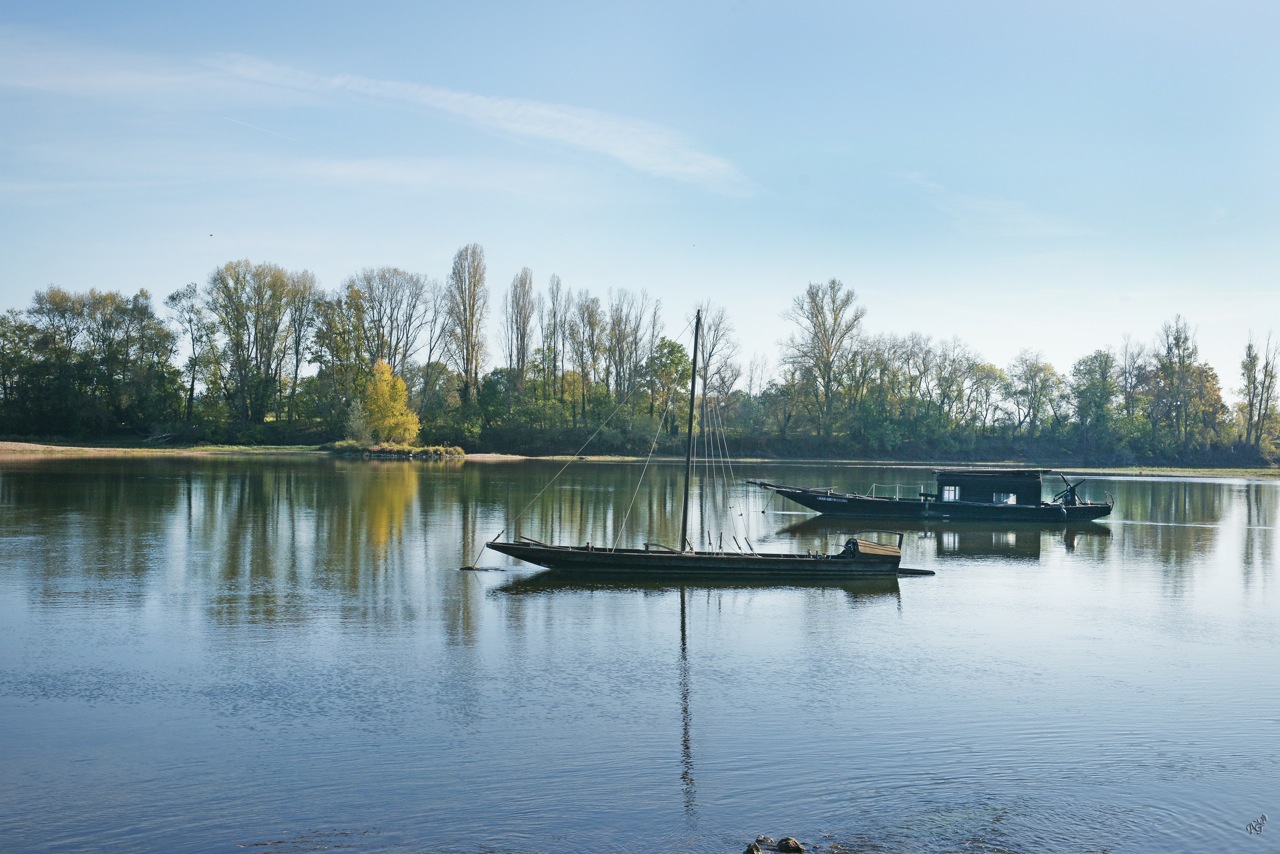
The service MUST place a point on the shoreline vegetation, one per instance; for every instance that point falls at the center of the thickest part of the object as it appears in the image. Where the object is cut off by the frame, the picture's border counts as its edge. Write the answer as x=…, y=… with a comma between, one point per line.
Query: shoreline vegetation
x=345, y=448
x=354, y=450
x=260, y=357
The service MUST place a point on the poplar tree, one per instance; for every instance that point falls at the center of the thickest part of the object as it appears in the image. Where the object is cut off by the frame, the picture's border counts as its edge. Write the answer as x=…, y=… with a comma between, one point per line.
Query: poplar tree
x=468, y=305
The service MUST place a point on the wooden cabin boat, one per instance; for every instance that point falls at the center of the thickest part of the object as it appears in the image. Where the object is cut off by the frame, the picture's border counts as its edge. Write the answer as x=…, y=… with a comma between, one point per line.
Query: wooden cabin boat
x=1004, y=495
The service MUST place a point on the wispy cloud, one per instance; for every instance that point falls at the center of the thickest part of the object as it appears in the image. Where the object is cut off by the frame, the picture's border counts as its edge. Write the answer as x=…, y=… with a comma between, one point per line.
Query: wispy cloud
x=34, y=61
x=985, y=215
x=643, y=146
x=429, y=173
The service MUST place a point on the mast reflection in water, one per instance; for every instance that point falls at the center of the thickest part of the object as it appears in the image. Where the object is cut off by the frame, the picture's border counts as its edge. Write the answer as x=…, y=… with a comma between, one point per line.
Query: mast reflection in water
x=207, y=653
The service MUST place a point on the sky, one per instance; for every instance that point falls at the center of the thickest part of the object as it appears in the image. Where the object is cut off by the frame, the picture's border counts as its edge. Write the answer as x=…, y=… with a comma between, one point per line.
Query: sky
x=1047, y=177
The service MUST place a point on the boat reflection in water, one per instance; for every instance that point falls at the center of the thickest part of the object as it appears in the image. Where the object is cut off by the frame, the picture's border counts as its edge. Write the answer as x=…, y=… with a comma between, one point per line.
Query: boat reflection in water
x=560, y=580
x=557, y=581
x=1020, y=541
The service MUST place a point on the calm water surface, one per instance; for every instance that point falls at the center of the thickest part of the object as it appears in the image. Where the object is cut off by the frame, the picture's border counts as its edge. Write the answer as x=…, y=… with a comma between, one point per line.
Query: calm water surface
x=266, y=654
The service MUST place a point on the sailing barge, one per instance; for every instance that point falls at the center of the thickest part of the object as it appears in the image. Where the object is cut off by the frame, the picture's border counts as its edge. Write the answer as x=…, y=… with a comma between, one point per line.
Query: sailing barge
x=860, y=558
x=997, y=495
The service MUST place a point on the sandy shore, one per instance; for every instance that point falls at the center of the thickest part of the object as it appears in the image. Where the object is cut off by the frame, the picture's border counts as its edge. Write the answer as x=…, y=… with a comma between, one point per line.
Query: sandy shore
x=33, y=449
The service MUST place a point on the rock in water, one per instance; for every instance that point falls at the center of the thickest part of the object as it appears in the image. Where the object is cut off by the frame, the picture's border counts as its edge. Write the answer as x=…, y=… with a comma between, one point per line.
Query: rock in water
x=790, y=845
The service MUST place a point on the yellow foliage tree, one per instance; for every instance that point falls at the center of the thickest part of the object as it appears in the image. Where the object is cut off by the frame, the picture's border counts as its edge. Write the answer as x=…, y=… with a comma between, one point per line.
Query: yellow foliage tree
x=386, y=400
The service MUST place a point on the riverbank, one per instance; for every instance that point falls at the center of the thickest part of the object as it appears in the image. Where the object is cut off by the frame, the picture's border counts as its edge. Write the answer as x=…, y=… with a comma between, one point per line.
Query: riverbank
x=31, y=449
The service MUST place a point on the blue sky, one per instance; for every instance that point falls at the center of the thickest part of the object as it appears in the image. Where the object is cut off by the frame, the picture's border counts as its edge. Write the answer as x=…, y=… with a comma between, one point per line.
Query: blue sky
x=1019, y=175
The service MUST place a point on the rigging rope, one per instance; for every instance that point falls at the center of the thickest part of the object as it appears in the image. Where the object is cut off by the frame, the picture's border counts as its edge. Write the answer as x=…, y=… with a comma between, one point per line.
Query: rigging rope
x=568, y=463
x=626, y=400
x=622, y=526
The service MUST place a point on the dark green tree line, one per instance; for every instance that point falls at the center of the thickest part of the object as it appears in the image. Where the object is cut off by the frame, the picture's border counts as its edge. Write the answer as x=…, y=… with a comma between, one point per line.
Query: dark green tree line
x=260, y=353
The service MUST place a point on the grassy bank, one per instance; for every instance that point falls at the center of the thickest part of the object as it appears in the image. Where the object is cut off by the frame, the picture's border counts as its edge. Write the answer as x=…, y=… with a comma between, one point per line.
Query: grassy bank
x=33, y=449
x=390, y=451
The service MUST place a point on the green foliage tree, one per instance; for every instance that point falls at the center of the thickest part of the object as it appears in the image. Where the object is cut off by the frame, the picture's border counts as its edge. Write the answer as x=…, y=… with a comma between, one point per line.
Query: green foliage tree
x=1187, y=413
x=16, y=350
x=1031, y=390
x=1095, y=392
x=251, y=303
x=357, y=426
x=667, y=376
x=336, y=350
x=101, y=364
x=93, y=364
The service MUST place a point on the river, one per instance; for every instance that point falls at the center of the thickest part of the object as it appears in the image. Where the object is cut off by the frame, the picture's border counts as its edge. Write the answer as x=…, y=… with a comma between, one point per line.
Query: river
x=282, y=654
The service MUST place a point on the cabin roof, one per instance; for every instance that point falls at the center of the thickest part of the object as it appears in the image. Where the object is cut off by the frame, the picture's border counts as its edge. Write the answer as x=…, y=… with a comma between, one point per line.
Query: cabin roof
x=993, y=474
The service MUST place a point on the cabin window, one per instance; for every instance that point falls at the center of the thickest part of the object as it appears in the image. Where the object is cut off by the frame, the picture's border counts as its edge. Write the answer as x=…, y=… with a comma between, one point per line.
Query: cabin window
x=950, y=493
x=1004, y=498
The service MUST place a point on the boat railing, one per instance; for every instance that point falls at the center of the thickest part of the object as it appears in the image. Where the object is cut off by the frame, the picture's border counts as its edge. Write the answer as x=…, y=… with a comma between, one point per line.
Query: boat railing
x=862, y=535
x=897, y=490
x=660, y=547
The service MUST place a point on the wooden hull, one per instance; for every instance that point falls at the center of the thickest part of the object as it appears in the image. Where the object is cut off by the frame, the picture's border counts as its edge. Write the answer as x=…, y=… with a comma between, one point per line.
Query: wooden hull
x=852, y=504
x=559, y=580
x=872, y=559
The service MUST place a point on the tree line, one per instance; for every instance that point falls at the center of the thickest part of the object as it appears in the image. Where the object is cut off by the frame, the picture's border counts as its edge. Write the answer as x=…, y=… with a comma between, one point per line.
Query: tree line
x=260, y=354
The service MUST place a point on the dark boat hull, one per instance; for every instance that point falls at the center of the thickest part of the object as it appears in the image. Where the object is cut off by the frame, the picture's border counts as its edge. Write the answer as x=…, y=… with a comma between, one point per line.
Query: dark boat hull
x=706, y=564
x=558, y=580
x=866, y=506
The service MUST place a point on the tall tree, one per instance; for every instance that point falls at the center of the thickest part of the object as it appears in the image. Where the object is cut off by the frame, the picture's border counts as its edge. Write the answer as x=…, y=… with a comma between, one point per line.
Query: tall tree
x=667, y=373
x=398, y=307
x=585, y=335
x=251, y=303
x=99, y=364
x=301, y=320
x=337, y=350
x=128, y=355
x=1187, y=413
x=628, y=340
x=1175, y=377
x=519, y=305
x=195, y=324
x=17, y=348
x=1258, y=372
x=716, y=366
x=1095, y=390
x=552, y=321
x=468, y=305
x=1133, y=364
x=1031, y=391
x=829, y=319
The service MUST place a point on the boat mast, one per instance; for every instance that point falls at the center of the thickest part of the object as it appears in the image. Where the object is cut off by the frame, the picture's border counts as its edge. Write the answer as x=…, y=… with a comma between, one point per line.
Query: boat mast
x=688, y=454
